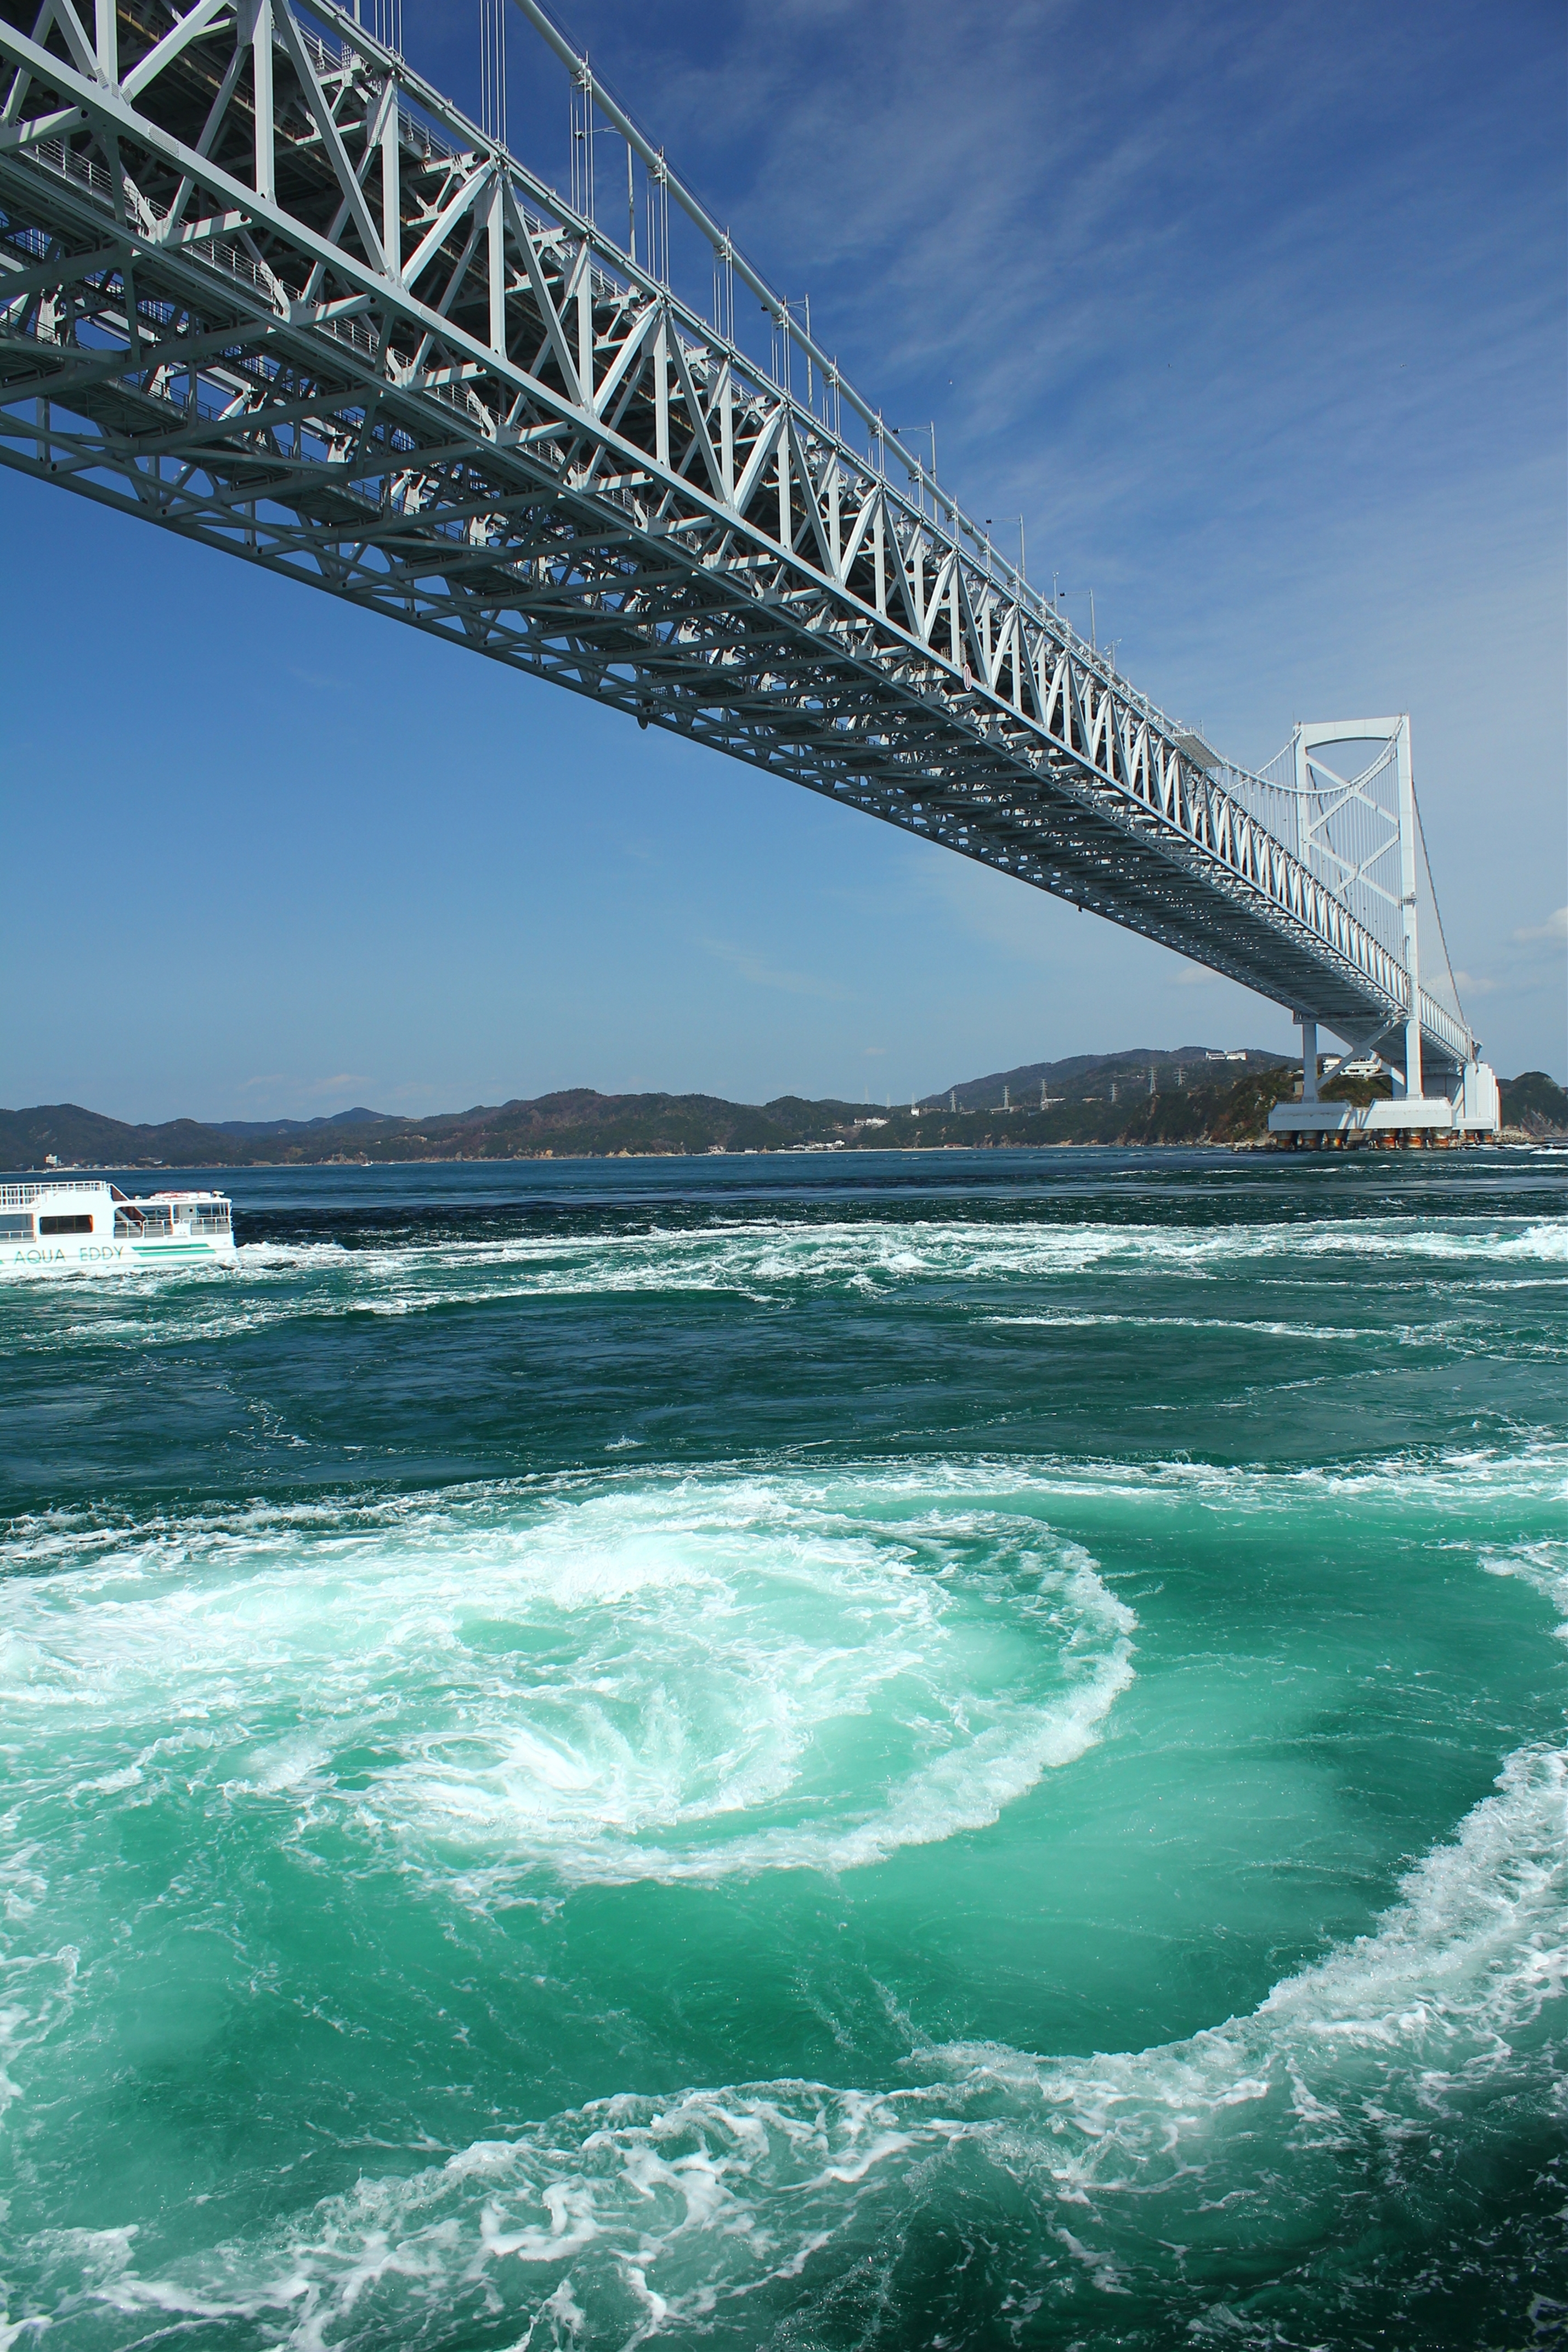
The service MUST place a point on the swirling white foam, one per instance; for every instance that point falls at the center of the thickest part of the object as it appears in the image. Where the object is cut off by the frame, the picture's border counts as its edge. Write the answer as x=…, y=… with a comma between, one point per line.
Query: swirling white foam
x=717, y=2210
x=1381, y=2070
x=632, y=1678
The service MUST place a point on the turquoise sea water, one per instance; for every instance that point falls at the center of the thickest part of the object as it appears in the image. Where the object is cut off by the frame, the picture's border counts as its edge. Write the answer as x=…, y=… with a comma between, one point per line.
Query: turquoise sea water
x=934, y=1751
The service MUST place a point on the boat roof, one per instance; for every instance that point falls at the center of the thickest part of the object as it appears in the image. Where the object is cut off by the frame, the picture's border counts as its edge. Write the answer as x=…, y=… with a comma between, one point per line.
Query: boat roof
x=16, y=1192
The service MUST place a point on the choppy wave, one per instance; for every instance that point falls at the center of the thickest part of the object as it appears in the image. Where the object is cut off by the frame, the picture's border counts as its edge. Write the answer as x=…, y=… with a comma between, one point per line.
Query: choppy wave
x=761, y=1258
x=970, y=1497
x=773, y=1251
x=589, y=1682
x=1368, y=2080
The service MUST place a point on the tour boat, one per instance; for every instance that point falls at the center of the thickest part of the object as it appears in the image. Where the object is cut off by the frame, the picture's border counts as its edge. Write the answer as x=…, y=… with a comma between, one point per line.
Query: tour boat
x=81, y=1225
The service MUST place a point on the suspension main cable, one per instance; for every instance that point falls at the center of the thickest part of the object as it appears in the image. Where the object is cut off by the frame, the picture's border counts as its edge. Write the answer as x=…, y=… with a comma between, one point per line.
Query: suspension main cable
x=1437, y=909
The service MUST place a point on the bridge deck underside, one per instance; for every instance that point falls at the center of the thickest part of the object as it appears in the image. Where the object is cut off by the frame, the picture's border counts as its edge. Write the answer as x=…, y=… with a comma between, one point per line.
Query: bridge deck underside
x=425, y=395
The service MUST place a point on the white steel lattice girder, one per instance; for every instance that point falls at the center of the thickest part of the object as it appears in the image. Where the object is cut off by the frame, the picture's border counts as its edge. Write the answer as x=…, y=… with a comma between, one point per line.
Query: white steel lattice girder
x=268, y=291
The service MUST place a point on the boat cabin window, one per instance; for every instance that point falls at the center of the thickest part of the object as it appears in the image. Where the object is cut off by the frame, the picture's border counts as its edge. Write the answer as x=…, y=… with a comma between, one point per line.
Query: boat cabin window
x=15, y=1229
x=65, y=1224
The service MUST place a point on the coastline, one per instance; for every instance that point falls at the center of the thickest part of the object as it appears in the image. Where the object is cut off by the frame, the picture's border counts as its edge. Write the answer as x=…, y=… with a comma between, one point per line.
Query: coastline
x=1512, y=1139
x=1125, y=1102
x=586, y=1159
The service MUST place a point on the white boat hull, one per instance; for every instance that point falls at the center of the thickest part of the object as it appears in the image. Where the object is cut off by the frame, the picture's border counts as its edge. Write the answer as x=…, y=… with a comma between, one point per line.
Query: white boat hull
x=83, y=1225
x=108, y=1256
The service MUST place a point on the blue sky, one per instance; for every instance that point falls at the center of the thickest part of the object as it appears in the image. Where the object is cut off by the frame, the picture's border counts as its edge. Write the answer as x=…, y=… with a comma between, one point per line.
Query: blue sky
x=1255, y=314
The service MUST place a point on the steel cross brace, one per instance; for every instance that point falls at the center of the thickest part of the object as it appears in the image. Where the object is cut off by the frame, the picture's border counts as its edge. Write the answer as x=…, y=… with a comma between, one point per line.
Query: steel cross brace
x=514, y=438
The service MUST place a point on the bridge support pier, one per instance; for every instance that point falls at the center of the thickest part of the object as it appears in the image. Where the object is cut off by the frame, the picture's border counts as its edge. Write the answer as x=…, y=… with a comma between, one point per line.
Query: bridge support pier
x=1429, y=1119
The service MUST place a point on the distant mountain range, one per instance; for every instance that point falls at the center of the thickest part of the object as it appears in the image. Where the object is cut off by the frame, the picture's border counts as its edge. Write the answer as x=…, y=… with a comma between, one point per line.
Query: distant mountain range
x=359, y=1117
x=1147, y=1096
x=1090, y=1077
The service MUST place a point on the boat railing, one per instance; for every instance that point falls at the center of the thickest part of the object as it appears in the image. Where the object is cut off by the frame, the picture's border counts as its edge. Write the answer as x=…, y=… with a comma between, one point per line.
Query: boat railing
x=135, y=1224
x=22, y=1196
x=195, y=1215
x=145, y=1220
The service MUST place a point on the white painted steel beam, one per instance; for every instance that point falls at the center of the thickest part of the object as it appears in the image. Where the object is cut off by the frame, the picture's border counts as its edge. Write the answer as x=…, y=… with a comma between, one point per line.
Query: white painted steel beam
x=261, y=284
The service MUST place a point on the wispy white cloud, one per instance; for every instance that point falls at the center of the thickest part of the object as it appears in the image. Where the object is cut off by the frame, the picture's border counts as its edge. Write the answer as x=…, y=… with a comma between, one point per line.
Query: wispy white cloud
x=1191, y=296
x=1556, y=928
x=762, y=974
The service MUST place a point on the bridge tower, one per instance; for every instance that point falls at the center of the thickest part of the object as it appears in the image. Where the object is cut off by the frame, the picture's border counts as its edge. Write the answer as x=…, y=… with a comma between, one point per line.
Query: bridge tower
x=1363, y=832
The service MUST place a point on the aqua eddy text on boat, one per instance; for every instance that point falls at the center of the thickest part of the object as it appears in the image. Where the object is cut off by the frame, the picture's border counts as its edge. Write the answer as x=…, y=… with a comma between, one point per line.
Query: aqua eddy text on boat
x=80, y=1224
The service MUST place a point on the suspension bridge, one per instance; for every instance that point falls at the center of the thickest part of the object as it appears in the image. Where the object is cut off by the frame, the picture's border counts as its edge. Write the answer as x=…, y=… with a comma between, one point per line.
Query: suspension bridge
x=262, y=285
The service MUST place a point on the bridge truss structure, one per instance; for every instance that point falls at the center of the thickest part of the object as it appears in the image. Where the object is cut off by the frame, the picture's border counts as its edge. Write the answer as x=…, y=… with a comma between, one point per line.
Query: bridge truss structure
x=262, y=285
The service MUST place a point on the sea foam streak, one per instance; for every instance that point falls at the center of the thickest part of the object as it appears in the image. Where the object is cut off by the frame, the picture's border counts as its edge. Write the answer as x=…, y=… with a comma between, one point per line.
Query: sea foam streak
x=761, y=1258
